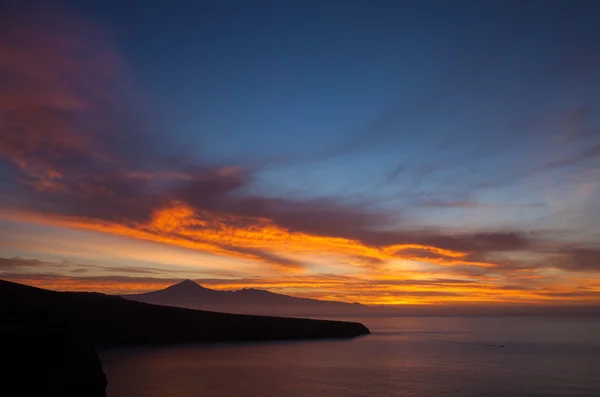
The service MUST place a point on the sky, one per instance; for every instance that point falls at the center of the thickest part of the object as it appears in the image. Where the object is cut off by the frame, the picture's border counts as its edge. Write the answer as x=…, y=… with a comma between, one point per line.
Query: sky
x=382, y=152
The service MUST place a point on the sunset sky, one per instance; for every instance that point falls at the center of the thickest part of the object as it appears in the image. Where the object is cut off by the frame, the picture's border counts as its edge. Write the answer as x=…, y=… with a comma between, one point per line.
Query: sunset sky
x=385, y=152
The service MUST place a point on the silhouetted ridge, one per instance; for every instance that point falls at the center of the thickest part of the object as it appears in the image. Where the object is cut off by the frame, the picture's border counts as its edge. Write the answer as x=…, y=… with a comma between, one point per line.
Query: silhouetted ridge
x=188, y=294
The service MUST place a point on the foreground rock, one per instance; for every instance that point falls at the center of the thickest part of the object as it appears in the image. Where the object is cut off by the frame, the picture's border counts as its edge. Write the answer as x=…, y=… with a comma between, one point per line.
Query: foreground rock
x=51, y=335
x=49, y=362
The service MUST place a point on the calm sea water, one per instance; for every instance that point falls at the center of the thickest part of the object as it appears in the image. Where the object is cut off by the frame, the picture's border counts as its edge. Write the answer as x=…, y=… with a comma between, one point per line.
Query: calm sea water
x=403, y=357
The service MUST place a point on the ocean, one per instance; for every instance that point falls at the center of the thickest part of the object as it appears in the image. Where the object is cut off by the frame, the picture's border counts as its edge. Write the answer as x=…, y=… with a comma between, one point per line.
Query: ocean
x=404, y=356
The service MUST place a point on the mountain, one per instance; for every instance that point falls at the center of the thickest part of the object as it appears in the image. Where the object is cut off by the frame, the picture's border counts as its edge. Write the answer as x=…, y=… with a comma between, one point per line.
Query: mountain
x=47, y=338
x=189, y=294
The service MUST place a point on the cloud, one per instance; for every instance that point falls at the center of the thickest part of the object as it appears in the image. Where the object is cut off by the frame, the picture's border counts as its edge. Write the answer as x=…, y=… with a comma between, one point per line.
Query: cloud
x=29, y=265
x=107, y=284
x=61, y=115
x=477, y=205
x=574, y=294
x=74, y=135
x=588, y=154
x=282, y=262
x=15, y=263
x=393, y=175
x=74, y=142
x=81, y=156
x=250, y=238
x=461, y=242
x=578, y=260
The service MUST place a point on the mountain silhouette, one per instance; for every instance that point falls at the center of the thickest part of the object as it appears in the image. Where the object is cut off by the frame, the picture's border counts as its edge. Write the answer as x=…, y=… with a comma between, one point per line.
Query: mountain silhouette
x=189, y=294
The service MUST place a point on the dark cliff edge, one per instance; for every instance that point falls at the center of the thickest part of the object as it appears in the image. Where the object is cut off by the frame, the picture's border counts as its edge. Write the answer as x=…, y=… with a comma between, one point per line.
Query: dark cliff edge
x=49, y=337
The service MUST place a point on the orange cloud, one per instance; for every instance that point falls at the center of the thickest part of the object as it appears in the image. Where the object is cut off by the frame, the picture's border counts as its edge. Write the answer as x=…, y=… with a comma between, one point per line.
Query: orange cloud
x=256, y=239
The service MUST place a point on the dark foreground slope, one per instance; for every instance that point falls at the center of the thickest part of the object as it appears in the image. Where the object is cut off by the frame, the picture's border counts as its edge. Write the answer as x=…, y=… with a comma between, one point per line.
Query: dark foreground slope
x=113, y=321
x=49, y=337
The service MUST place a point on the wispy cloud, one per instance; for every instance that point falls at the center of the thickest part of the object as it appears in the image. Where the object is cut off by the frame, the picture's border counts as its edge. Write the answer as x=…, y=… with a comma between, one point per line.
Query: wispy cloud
x=589, y=153
x=28, y=265
x=578, y=260
x=477, y=205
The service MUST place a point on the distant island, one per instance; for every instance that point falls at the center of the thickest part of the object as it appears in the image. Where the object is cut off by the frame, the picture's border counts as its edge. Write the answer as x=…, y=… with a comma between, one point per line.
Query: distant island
x=49, y=338
x=191, y=295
